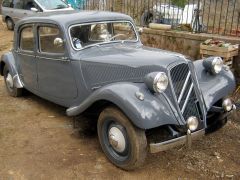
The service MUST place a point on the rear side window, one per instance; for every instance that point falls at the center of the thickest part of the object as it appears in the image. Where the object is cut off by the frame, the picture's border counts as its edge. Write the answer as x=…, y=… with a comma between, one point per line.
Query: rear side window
x=47, y=36
x=18, y=4
x=7, y=3
x=27, y=39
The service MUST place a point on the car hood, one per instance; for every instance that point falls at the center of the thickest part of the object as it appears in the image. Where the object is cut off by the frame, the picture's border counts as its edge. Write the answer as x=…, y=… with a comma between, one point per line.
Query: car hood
x=123, y=62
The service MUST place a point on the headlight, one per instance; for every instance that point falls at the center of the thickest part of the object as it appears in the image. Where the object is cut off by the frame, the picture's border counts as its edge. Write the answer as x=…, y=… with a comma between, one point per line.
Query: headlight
x=217, y=64
x=227, y=105
x=192, y=123
x=156, y=81
x=160, y=82
x=213, y=65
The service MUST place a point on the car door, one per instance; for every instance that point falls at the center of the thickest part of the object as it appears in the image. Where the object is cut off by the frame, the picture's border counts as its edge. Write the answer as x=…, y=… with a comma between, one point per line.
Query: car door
x=25, y=56
x=55, y=75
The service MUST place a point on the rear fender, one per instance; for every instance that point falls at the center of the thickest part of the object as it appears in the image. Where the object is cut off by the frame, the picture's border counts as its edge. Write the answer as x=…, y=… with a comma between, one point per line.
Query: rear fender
x=8, y=60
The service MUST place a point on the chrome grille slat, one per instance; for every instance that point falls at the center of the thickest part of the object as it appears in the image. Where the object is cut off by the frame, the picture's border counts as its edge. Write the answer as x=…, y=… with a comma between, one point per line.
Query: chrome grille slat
x=184, y=91
x=188, y=95
x=184, y=87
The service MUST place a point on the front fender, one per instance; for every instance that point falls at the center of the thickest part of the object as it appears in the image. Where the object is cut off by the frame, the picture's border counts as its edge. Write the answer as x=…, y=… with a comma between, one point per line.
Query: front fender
x=152, y=112
x=8, y=60
x=214, y=87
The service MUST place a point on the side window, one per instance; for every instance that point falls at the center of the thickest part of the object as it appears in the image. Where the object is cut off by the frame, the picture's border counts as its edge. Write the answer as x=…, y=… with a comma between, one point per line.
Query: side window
x=28, y=4
x=18, y=4
x=50, y=40
x=7, y=3
x=27, y=39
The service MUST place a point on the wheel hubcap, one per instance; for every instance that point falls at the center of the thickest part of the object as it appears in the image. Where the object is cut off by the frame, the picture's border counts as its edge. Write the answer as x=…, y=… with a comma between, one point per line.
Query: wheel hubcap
x=117, y=139
x=9, y=80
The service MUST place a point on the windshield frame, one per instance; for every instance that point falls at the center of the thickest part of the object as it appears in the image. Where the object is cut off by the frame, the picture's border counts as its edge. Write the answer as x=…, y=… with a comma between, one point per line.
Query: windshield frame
x=101, y=43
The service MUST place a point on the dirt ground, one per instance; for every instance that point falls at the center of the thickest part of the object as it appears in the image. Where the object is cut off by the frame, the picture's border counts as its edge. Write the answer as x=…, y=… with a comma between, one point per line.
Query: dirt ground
x=38, y=141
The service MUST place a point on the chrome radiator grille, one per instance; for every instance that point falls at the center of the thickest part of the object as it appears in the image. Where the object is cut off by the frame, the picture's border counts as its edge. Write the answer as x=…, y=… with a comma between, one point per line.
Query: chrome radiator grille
x=183, y=87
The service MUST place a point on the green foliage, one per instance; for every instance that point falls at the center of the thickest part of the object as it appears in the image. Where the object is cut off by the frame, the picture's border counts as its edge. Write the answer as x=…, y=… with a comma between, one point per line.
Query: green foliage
x=179, y=3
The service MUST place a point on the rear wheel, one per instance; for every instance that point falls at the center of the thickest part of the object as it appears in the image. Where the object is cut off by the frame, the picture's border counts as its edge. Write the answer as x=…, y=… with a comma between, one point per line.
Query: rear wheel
x=10, y=24
x=11, y=89
x=124, y=144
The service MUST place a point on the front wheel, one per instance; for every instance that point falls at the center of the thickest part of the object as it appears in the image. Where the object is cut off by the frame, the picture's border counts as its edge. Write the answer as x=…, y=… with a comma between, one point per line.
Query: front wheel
x=11, y=89
x=124, y=144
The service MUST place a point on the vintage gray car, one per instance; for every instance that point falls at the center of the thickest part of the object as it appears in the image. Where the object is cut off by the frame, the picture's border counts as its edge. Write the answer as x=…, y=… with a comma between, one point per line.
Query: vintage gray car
x=145, y=99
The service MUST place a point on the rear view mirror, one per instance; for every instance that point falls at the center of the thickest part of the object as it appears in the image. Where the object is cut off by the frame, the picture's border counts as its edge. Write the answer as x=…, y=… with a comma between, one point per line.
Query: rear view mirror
x=34, y=9
x=58, y=42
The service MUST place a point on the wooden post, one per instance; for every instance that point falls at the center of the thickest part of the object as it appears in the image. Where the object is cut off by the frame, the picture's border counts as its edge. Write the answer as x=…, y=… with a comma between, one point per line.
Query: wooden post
x=236, y=67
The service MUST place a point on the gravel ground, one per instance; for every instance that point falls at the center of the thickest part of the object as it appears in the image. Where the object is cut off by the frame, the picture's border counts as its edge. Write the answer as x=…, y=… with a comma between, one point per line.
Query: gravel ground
x=38, y=141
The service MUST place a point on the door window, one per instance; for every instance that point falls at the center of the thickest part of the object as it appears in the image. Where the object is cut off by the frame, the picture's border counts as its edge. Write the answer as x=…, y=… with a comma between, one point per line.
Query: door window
x=18, y=4
x=28, y=4
x=50, y=40
x=7, y=3
x=27, y=39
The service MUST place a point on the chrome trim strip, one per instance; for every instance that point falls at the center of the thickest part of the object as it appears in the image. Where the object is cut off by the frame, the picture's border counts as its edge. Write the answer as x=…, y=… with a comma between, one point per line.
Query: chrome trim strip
x=26, y=54
x=187, y=98
x=184, y=87
x=53, y=59
x=163, y=146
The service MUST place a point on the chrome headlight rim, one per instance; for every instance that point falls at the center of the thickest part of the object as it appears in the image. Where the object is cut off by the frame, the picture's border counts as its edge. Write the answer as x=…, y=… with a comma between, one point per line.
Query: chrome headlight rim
x=217, y=65
x=158, y=82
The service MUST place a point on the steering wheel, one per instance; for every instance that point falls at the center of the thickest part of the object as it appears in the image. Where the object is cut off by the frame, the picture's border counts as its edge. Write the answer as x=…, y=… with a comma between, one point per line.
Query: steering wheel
x=116, y=36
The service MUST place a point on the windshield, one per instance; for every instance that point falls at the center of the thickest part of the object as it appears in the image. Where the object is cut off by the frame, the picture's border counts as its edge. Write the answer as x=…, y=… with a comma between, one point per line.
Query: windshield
x=97, y=33
x=53, y=4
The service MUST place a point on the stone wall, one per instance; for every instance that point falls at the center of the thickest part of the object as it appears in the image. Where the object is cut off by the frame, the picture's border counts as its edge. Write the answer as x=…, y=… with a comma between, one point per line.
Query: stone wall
x=184, y=42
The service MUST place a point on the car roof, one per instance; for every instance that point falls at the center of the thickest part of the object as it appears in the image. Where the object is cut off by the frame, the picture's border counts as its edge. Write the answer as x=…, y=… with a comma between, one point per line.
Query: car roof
x=66, y=18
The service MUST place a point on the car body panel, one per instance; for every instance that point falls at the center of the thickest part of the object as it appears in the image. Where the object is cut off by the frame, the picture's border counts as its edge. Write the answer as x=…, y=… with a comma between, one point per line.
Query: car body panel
x=122, y=62
x=152, y=112
x=214, y=87
x=27, y=69
x=8, y=60
x=56, y=74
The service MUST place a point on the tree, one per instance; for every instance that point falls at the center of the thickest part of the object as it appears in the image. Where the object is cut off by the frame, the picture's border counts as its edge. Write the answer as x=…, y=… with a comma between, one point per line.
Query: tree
x=179, y=3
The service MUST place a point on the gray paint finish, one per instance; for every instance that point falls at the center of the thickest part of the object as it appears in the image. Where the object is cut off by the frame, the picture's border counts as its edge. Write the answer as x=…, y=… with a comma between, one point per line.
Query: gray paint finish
x=113, y=72
x=214, y=87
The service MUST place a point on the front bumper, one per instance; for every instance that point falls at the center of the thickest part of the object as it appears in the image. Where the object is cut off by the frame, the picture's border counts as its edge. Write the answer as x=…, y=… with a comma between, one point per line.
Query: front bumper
x=186, y=139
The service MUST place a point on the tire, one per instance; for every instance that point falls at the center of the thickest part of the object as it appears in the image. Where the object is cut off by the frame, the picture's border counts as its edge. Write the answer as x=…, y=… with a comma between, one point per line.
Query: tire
x=112, y=121
x=10, y=24
x=215, y=121
x=11, y=89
